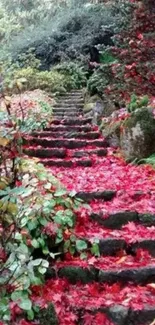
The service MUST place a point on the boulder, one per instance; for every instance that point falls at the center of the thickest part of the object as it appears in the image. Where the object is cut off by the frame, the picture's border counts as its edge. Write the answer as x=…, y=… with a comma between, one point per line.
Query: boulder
x=137, y=138
x=111, y=132
x=98, y=107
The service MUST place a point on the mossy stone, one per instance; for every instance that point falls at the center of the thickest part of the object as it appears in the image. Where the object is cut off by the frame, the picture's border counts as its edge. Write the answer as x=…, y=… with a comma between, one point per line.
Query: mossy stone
x=48, y=316
x=112, y=133
x=137, y=138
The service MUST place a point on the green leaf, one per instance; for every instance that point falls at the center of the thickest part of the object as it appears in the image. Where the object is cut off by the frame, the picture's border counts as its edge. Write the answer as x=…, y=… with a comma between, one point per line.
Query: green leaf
x=36, y=262
x=47, y=186
x=95, y=249
x=45, y=263
x=83, y=256
x=7, y=315
x=30, y=314
x=23, y=222
x=60, y=192
x=18, y=295
x=67, y=245
x=32, y=224
x=81, y=245
x=73, y=238
x=72, y=250
x=23, y=249
x=25, y=304
x=18, y=236
x=43, y=221
x=42, y=270
x=72, y=193
x=42, y=176
x=35, y=243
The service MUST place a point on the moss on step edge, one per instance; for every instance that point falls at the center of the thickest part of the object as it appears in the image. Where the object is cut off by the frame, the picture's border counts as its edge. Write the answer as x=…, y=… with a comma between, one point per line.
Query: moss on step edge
x=142, y=116
x=137, y=139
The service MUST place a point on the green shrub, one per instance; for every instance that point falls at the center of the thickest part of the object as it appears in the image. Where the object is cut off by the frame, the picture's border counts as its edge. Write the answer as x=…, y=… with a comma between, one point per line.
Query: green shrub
x=62, y=78
x=74, y=74
x=99, y=80
x=137, y=102
x=106, y=57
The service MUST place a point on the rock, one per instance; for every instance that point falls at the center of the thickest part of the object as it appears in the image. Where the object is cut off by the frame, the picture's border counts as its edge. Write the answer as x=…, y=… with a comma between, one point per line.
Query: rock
x=94, y=107
x=48, y=316
x=112, y=133
x=78, y=274
x=139, y=275
x=137, y=139
x=119, y=314
x=98, y=195
x=111, y=246
x=116, y=220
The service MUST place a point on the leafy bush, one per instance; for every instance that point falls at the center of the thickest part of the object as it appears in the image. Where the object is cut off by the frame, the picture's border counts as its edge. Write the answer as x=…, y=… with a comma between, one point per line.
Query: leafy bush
x=99, y=80
x=137, y=102
x=37, y=217
x=106, y=57
x=63, y=77
x=75, y=75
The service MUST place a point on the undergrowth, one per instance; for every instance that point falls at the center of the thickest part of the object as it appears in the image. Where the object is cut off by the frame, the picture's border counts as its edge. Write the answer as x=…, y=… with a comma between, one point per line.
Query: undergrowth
x=37, y=217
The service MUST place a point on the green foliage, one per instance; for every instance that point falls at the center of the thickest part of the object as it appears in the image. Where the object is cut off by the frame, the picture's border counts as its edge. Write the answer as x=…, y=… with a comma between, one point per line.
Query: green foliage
x=99, y=80
x=75, y=75
x=36, y=216
x=137, y=102
x=32, y=208
x=63, y=77
x=106, y=57
x=150, y=160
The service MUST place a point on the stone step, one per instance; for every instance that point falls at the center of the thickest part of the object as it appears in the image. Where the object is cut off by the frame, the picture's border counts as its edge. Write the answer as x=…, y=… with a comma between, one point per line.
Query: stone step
x=67, y=135
x=71, y=100
x=73, y=93
x=67, y=163
x=62, y=153
x=75, y=121
x=46, y=153
x=64, y=143
x=76, y=97
x=98, y=195
x=132, y=305
x=68, y=128
x=112, y=246
x=87, y=153
x=71, y=110
x=117, y=220
x=67, y=105
x=60, y=116
x=137, y=275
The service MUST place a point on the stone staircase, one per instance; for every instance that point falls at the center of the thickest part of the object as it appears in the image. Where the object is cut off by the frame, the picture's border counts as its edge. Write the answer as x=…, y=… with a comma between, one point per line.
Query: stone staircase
x=113, y=282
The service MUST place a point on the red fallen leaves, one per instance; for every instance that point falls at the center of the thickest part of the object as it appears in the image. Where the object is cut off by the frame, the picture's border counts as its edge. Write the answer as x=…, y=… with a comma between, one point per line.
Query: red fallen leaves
x=131, y=232
x=110, y=263
x=97, y=319
x=108, y=173
x=146, y=204
x=90, y=296
x=28, y=101
x=112, y=173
